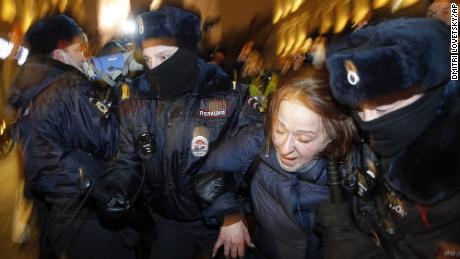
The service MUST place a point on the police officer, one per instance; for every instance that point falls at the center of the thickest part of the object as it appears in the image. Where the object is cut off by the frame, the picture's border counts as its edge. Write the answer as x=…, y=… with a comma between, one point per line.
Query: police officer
x=406, y=181
x=180, y=109
x=66, y=134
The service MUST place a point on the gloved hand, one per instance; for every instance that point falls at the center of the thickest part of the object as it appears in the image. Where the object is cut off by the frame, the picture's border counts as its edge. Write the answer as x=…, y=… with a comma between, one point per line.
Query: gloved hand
x=332, y=218
x=210, y=186
x=110, y=195
x=340, y=236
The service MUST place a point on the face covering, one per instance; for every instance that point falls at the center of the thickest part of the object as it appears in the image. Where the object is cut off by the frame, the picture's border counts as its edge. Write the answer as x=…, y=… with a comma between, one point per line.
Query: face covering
x=393, y=132
x=174, y=76
x=154, y=56
x=64, y=57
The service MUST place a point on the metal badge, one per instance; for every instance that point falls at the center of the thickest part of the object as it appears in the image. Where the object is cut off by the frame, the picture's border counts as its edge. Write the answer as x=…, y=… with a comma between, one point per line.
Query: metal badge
x=146, y=143
x=99, y=105
x=352, y=72
x=200, y=146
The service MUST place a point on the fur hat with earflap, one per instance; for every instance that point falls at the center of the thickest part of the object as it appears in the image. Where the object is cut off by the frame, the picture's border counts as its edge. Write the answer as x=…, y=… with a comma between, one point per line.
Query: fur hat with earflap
x=392, y=56
x=170, y=22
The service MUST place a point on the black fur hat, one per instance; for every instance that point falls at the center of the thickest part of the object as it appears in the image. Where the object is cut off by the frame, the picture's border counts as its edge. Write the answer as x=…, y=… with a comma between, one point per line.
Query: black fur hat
x=44, y=35
x=170, y=22
x=388, y=57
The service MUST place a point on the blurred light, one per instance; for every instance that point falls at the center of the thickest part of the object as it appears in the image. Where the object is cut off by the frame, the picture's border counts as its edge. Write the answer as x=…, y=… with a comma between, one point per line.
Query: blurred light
x=277, y=14
x=291, y=38
x=281, y=41
x=62, y=5
x=287, y=5
x=43, y=9
x=376, y=4
x=112, y=16
x=281, y=45
x=28, y=14
x=325, y=20
x=129, y=27
x=306, y=45
x=155, y=4
x=2, y=127
x=296, y=5
x=360, y=10
x=7, y=10
x=301, y=29
x=396, y=5
x=6, y=47
x=22, y=54
x=342, y=15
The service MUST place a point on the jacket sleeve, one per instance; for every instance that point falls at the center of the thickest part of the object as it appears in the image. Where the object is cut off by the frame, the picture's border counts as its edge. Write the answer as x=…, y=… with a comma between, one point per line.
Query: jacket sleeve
x=70, y=138
x=126, y=166
x=237, y=153
x=223, y=174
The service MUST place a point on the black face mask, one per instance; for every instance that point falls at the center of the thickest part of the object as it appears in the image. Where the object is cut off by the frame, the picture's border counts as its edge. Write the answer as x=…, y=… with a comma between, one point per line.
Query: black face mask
x=175, y=76
x=394, y=131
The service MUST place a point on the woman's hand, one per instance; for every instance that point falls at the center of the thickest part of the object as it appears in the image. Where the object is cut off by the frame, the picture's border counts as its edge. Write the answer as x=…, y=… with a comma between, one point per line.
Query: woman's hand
x=234, y=237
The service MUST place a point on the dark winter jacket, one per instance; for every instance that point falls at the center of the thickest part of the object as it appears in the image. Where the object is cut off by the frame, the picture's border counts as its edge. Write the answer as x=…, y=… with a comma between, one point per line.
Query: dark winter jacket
x=283, y=203
x=284, y=206
x=408, y=204
x=166, y=140
x=66, y=133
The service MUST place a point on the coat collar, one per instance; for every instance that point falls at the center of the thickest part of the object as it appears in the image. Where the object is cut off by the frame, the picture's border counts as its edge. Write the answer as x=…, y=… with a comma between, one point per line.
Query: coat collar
x=316, y=174
x=211, y=81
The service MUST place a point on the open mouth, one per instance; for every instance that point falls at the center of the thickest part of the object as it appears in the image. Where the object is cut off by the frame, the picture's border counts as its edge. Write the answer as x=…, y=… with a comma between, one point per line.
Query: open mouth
x=288, y=161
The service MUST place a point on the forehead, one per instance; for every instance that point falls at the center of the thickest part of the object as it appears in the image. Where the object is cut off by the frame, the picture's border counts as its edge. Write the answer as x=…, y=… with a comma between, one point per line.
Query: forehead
x=296, y=116
x=439, y=5
x=152, y=42
x=401, y=103
x=159, y=49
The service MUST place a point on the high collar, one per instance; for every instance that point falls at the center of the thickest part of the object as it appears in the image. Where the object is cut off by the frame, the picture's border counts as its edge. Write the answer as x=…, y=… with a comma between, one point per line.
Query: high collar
x=211, y=80
x=315, y=173
x=36, y=70
x=427, y=171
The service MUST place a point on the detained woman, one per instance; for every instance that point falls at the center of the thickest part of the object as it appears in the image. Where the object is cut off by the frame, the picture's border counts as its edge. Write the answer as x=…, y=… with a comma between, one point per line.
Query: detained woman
x=304, y=129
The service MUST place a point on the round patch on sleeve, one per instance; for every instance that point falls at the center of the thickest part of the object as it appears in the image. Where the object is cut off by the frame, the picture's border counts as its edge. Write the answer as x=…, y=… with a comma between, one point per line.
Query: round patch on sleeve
x=200, y=146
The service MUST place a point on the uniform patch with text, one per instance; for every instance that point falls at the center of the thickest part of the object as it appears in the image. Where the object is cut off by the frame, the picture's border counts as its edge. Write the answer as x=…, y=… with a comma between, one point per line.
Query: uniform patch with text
x=215, y=108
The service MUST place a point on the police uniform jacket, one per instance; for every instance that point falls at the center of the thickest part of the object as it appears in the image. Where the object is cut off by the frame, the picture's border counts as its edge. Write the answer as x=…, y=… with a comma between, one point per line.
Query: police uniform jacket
x=408, y=204
x=65, y=131
x=164, y=141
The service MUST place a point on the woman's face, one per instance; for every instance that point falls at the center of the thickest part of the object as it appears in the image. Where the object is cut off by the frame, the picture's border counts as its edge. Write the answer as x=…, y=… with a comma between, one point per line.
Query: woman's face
x=298, y=135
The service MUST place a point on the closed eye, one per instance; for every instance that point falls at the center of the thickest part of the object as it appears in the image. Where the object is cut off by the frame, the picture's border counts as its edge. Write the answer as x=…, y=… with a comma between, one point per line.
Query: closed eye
x=303, y=140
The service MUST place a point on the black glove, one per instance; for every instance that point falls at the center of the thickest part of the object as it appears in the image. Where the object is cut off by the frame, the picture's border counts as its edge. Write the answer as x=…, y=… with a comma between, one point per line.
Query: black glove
x=340, y=236
x=110, y=195
x=210, y=186
x=331, y=218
